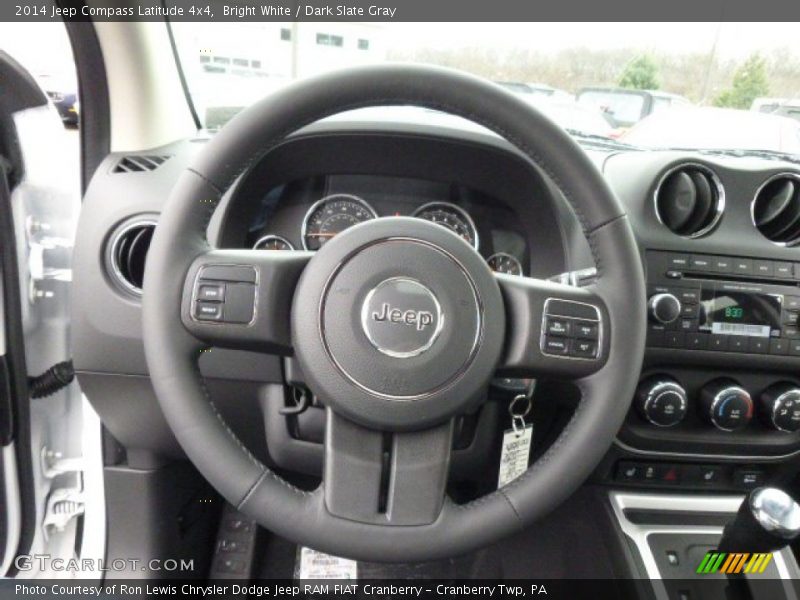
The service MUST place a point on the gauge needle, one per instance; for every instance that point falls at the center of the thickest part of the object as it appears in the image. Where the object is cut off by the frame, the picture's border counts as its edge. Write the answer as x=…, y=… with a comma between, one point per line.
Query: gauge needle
x=320, y=234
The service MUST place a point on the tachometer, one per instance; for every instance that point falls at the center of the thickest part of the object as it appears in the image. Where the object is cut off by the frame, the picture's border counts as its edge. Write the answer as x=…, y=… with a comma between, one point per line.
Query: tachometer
x=331, y=215
x=452, y=217
x=273, y=242
x=503, y=262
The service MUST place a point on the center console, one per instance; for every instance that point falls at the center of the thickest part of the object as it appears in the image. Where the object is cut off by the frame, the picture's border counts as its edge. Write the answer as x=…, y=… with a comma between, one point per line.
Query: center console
x=718, y=403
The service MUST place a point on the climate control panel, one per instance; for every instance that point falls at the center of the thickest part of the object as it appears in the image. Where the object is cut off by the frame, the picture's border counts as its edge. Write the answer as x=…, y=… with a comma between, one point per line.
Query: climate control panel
x=722, y=403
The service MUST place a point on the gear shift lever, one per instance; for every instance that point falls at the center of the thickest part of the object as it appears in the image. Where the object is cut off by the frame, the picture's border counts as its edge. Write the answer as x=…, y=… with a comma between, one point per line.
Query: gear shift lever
x=768, y=520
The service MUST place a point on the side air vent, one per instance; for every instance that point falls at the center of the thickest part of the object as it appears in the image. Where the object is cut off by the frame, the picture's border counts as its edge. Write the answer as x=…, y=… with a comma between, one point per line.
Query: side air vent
x=776, y=209
x=138, y=163
x=690, y=200
x=128, y=253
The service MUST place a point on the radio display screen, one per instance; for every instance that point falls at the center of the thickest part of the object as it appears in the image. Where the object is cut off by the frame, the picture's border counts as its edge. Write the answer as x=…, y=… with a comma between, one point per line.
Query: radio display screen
x=729, y=312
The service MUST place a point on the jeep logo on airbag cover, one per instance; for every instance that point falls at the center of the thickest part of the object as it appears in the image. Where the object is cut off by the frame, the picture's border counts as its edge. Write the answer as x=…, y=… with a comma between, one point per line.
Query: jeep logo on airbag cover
x=401, y=317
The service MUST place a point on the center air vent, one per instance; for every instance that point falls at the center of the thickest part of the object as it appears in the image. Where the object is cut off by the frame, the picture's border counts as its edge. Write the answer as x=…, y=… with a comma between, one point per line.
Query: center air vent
x=128, y=254
x=776, y=209
x=690, y=200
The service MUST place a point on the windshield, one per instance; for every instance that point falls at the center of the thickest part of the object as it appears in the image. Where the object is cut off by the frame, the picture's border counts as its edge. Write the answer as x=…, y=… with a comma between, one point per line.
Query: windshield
x=647, y=84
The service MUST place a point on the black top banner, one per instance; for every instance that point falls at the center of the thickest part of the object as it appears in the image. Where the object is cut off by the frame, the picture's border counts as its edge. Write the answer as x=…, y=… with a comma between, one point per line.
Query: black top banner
x=400, y=10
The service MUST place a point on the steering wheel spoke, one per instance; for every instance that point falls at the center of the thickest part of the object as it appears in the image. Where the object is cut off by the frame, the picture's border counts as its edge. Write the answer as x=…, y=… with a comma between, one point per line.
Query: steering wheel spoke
x=385, y=478
x=242, y=298
x=553, y=329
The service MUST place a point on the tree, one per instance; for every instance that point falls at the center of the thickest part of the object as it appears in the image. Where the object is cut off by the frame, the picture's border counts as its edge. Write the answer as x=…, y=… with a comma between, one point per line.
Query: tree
x=749, y=82
x=640, y=74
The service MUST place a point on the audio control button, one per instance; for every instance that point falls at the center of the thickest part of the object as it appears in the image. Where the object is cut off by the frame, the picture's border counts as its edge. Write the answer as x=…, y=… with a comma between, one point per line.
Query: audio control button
x=778, y=346
x=664, y=308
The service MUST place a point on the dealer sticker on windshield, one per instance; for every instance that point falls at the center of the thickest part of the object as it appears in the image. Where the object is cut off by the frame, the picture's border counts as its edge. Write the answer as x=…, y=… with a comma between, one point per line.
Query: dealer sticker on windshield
x=318, y=565
x=514, y=454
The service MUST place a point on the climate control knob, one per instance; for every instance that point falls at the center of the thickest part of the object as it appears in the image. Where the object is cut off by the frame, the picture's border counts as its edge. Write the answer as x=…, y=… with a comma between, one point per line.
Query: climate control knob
x=780, y=406
x=661, y=401
x=726, y=405
x=664, y=308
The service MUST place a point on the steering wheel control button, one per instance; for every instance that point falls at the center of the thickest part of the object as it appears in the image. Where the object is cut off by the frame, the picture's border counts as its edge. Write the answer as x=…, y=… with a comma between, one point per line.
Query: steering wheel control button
x=583, y=349
x=211, y=292
x=208, y=311
x=240, y=273
x=780, y=407
x=571, y=329
x=661, y=401
x=557, y=327
x=226, y=294
x=726, y=405
x=556, y=345
x=585, y=330
x=401, y=317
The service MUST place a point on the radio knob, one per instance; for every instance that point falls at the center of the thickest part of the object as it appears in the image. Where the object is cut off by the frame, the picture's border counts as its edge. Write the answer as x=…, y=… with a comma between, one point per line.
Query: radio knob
x=780, y=405
x=664, y=308
x=726, y=405
x=661, y=401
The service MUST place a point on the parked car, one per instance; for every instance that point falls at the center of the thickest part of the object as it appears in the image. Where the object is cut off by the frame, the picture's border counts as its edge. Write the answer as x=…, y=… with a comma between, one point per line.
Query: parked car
x=716, y=128
x=784, y=107
x=624, y=107
x=536, y=89
x=63, y=95
x=573, y=116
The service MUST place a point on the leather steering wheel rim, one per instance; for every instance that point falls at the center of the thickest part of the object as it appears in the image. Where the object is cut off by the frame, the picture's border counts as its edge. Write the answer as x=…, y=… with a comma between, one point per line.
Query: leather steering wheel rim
x=172, y=350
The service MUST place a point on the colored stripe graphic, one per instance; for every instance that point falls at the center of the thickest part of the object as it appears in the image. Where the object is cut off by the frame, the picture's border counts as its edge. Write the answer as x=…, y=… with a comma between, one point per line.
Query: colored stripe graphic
x=734, y=562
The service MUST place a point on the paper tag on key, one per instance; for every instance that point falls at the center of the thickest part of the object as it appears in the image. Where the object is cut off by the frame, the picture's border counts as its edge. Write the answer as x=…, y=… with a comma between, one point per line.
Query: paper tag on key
x=318, y=565
x=514, y=454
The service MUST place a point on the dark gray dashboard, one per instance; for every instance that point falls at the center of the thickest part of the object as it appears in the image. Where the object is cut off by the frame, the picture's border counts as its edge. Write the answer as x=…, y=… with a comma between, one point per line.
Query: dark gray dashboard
x=397, y=168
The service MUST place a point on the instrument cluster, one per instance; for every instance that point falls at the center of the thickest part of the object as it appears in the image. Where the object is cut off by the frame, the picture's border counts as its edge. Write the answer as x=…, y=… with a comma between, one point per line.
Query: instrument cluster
x=336, y=212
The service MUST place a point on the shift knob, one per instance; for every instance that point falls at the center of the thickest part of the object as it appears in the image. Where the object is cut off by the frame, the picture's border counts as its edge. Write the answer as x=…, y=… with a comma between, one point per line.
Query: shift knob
x=768, y=520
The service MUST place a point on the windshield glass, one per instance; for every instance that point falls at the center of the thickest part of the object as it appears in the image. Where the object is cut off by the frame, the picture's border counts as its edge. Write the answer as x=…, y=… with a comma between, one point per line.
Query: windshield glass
x=690, y=85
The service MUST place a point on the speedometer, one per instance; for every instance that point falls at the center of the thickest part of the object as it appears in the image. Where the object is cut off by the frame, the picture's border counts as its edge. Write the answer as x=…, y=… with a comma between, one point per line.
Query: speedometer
x=331, y=215
x=452, y=217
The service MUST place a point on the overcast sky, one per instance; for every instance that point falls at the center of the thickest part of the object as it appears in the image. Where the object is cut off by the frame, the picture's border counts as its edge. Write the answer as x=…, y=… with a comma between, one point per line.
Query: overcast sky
x=43, y=47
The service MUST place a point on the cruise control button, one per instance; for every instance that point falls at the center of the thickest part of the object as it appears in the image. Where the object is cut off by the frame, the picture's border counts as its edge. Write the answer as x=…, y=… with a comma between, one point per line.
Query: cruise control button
x=557, y=326
x=556, y=345
x=583, y=349
x=208, y=311
x=584, y=329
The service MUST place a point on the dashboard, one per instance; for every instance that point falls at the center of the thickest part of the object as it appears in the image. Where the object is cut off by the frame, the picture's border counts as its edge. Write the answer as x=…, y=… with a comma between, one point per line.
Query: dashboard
x=333, y=203
x=719, y=401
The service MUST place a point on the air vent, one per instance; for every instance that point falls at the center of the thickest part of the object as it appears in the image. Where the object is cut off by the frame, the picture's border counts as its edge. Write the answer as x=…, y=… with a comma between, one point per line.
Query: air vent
x=776, y=209
x=690, y=200
x=128, y=254
x=137, y=163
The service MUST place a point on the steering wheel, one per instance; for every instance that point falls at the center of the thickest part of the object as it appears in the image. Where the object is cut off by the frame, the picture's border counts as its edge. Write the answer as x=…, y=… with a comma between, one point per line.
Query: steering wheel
x=398, y=325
